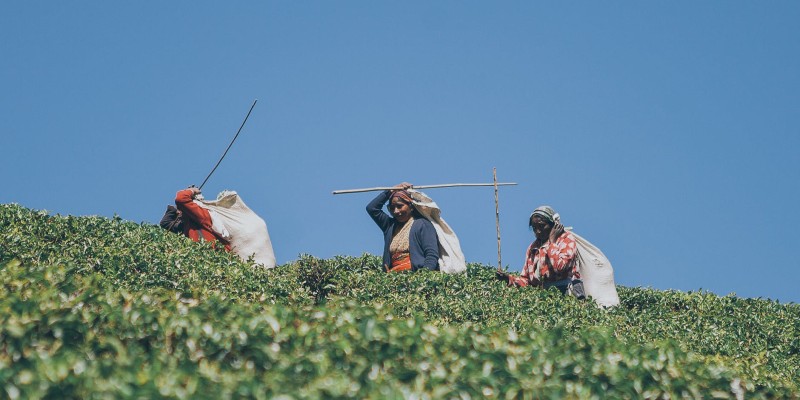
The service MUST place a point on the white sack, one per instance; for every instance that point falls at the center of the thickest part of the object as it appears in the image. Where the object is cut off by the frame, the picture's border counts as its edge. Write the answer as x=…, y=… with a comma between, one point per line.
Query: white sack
x=451, y=259
x=596, y=273
x=246, y=231
x=218, y=225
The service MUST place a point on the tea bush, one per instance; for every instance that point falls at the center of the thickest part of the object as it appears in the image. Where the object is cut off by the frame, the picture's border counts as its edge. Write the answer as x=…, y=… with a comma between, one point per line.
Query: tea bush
x=103, y=308
x=759, y=336
x=137, y=256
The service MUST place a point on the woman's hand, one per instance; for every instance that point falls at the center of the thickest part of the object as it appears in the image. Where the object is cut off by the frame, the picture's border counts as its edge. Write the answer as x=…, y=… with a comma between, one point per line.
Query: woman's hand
x=403, y=186
x=195, y=190
x=556, y=231
x=501, y=276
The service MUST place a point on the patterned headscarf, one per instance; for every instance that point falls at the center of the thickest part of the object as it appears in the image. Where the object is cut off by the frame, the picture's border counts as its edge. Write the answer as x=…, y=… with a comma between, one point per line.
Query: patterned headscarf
x=545, y=212
x=403, y=195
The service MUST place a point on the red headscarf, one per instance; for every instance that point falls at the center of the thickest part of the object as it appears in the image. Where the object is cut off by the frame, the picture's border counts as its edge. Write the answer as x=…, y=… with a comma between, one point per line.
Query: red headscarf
x=403, y=195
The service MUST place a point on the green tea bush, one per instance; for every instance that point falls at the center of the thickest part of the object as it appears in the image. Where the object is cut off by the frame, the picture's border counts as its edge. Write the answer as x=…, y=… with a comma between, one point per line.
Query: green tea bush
x=138, y=256
x=102, y=308
x=758, y=337
x=69, y=335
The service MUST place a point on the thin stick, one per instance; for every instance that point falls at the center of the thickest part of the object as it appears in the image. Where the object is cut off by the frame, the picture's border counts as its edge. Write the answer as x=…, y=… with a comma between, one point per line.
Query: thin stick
x=375, y=189
x=497, y=220
x=229, y=146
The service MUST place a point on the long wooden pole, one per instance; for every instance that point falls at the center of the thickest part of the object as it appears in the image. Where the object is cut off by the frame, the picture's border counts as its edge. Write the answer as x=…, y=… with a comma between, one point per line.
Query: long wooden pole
x=375, y=189
x=497, y=219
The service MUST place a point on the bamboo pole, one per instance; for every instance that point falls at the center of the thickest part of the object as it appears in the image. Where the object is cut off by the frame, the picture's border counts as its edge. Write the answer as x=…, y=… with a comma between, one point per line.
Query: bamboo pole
x=375, y=189
x=497, y=219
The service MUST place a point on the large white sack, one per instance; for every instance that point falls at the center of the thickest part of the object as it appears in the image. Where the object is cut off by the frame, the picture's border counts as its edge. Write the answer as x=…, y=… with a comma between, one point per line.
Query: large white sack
x=596, y=273
x=246, y=231
x=451, y=259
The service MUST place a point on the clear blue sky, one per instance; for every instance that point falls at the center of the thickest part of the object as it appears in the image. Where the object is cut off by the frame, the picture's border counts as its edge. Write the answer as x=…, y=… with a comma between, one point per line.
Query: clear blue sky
x=667, y=133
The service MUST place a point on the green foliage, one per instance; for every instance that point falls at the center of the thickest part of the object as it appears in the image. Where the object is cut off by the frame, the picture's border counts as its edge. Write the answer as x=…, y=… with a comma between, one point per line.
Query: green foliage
x=137, y=256
x=102, y=308
x=316, y=276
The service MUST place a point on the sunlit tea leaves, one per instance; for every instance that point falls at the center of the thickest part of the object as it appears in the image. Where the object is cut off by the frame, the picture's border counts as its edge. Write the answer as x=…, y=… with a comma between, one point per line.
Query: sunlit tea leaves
x=93, y=307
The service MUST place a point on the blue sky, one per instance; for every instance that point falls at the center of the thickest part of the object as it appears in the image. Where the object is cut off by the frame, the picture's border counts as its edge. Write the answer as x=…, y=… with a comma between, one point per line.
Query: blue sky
x=667, y=133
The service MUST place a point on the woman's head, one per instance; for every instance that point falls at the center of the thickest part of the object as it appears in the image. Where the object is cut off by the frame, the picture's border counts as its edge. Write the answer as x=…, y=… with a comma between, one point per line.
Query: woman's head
x=541, y=221
x=401, y=206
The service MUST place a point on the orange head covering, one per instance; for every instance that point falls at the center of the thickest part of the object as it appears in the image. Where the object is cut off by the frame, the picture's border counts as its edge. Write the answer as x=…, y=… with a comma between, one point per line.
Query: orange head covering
x=403, y=195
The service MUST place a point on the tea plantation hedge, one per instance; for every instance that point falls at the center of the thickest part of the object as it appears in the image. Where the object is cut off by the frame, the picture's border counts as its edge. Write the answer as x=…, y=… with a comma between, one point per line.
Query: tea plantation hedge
x=92, y=307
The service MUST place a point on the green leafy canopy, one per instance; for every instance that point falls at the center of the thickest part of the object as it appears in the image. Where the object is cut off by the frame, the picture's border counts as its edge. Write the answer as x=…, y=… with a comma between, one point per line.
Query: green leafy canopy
x=92, y=307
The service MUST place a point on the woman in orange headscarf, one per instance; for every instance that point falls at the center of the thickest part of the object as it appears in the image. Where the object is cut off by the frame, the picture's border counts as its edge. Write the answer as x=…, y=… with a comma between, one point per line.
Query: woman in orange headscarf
x=410, y=241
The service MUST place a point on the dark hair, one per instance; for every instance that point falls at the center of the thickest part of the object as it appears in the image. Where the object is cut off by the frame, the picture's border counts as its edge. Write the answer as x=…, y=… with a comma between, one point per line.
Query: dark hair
x=389, y=205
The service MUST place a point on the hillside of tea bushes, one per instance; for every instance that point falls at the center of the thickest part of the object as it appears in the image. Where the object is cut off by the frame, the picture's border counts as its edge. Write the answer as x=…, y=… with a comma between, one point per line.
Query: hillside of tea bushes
x=93, y=307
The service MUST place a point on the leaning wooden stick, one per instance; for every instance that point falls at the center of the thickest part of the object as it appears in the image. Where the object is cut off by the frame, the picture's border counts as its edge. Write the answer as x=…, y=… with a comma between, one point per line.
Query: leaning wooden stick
x=497, y=220
x=229, y=146
x=375, y=189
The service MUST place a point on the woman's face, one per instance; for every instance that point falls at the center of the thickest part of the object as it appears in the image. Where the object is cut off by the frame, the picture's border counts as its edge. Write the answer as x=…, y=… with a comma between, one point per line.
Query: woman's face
x=401, y=210
x=541, y=228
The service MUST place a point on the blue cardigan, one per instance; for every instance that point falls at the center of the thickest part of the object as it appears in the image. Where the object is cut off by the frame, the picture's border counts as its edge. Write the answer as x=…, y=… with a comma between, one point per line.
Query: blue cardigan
x=422, y=240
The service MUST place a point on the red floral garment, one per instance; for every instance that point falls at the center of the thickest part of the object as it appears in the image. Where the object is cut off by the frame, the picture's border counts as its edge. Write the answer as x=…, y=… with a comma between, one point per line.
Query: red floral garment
x=553, y=261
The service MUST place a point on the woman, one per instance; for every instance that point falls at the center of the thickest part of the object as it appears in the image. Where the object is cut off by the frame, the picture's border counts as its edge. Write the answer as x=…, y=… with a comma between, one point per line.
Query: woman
x=197, y=223
x=551, y=259
x=410, y=241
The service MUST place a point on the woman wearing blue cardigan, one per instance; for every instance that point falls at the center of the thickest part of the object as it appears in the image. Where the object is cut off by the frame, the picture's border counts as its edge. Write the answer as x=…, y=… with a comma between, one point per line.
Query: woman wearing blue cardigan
x=410, y=241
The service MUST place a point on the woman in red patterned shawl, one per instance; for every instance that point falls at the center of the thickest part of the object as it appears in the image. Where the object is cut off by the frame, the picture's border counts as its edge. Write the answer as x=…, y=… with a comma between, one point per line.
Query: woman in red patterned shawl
x=551, y=260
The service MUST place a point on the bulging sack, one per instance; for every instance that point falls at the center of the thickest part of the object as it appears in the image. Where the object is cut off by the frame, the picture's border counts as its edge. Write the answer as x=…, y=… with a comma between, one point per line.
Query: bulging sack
x=243, y=228
x=596, y=273
x=451, y=258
